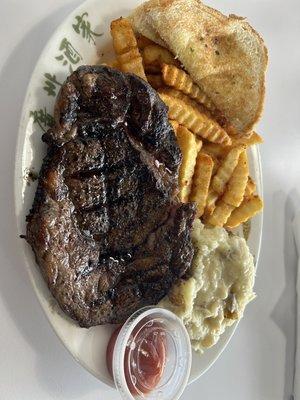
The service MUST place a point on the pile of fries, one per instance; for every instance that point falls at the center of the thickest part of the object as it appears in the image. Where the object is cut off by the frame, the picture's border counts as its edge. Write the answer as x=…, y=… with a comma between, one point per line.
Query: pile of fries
x=214, y=172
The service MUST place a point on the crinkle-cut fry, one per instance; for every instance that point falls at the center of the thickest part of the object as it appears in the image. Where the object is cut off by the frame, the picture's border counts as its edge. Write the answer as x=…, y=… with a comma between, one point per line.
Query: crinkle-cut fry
x=156, y=55
x=129, y=56
x=198, y=107
x=216, y=160
x=236, y=186
x=215, y=150
x=143, y=41
x=195, y=121
x=250, y=187
x=199, y=144
x=245, y=211
x=186, y=99
x=216, y=164
x=221, y=178
x=134, y=67
x=180, y=80
x=178, y=94
x=155, y=80
x=126, y=49
x=247, y=140
x=113, y=64
x=220, y=214
x=174, y=124
x=212, y=197
x=188, y=146
x=201, y=181
x=123, y=35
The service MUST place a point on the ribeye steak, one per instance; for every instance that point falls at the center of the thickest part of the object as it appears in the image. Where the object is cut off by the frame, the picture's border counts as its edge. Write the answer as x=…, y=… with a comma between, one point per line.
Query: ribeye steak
x=107, y=229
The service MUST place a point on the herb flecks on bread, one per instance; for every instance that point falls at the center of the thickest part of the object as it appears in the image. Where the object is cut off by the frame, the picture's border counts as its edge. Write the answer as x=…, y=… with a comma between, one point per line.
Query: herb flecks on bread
x=225, y=56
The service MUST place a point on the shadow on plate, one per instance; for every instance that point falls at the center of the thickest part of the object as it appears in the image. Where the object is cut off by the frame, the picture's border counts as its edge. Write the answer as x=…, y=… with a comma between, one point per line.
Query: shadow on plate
x=56, y=370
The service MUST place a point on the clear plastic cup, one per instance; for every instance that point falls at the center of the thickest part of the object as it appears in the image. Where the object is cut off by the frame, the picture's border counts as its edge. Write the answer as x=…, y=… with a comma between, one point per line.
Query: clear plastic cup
x=178, y=355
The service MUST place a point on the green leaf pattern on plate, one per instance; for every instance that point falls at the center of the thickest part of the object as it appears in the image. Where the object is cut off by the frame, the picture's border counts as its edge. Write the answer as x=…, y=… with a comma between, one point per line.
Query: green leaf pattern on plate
x=42, y=118
x=83, y=28
x=51, y=83
x=68, y=54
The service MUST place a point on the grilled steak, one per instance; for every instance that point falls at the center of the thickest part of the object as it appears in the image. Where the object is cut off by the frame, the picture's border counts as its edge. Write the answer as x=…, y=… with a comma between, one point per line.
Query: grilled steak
x=106, y=227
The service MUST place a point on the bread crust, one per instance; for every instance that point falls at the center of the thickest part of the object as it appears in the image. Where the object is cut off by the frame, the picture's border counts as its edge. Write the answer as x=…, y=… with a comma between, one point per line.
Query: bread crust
x=224, y=55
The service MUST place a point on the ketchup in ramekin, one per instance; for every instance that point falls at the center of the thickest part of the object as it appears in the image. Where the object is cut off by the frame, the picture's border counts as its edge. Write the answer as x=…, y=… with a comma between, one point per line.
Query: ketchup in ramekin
x=149, y=357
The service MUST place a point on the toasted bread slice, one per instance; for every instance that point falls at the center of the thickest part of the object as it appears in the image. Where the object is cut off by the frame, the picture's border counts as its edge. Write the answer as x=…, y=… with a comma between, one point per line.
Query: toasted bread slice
x=223, y=55
x=141, y=23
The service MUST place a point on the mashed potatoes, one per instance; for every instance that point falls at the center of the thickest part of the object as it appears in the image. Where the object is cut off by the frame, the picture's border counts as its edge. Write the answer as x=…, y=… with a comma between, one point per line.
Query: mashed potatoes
x=218, y=288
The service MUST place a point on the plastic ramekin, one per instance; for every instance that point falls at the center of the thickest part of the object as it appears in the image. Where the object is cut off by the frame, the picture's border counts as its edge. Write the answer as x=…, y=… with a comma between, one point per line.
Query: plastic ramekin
x=178, y=353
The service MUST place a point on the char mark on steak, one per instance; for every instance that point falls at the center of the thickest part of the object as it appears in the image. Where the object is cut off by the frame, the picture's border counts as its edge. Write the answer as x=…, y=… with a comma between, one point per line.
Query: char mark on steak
x=107, y=229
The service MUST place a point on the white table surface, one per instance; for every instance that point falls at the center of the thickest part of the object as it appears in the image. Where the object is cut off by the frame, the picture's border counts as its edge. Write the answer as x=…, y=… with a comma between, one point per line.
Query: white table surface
x=257, y=365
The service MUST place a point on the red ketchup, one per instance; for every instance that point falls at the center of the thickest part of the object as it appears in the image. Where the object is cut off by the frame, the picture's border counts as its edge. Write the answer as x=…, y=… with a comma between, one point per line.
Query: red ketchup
x=145, y=357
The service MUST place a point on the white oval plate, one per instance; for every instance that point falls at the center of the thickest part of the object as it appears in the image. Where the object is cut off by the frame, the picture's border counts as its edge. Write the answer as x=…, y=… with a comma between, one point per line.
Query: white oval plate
x=84, y=38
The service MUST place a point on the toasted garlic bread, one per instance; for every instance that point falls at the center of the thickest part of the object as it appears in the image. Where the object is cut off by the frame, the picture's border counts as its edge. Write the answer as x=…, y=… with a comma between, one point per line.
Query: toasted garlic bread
x=223, y=55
